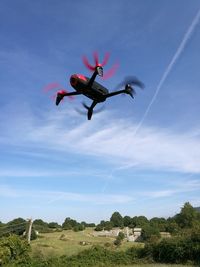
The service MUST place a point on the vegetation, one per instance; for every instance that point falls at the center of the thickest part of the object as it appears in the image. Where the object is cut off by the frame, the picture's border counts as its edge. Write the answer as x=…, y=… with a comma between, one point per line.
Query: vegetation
x=16, y=226
x=76, y=246
x=119, y=239
x=13, y=248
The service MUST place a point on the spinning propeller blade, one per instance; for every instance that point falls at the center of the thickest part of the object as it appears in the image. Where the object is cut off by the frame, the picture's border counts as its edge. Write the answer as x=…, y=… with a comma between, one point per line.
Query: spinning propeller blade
x=128, y=83
x=131, y=80
x=82, y=112
x=96, y=58
x=109, y=73
x=56, y=86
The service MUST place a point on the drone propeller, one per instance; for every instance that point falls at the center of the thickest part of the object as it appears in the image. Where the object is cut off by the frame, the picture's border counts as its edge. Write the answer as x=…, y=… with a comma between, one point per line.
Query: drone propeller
x=109, y=73
x=132, y=81
x=56, y=86
x=129, y=82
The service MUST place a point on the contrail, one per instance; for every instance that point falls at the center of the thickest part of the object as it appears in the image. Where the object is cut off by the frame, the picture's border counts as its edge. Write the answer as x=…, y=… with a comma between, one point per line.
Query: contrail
x=176, y=56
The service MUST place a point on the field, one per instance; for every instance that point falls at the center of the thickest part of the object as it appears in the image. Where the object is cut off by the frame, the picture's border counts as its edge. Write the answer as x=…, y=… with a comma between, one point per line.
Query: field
x=70, y=243
x=51, y=244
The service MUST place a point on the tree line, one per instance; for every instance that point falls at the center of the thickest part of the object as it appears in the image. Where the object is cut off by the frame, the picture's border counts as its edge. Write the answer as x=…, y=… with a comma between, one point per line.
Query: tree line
x=188, y=218
x=183, y=246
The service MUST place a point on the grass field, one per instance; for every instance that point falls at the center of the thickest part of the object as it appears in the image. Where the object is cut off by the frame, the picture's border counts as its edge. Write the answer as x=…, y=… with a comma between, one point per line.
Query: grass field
x=50, y=245
x=156, y=265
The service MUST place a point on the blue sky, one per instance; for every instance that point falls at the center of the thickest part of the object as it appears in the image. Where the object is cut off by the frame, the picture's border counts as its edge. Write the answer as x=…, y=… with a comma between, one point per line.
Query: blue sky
x=138, y=157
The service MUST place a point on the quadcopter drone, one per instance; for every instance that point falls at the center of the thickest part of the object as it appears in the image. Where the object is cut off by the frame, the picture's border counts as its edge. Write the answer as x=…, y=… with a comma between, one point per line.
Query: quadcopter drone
x=94, y=90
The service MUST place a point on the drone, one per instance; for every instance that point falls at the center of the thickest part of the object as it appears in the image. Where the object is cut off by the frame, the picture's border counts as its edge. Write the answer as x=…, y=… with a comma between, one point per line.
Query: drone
x=94, y=90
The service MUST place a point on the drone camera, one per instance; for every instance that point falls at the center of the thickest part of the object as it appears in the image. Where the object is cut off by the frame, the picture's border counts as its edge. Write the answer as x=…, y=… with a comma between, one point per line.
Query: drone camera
x=99, y=70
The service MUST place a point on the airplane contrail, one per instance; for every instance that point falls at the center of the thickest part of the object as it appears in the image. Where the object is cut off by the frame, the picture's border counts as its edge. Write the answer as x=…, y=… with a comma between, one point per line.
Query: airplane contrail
x=176, y=56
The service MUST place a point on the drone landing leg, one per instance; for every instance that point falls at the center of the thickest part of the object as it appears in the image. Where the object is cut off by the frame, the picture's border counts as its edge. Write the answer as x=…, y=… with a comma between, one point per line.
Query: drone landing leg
x=90, y=110
x=60, y=96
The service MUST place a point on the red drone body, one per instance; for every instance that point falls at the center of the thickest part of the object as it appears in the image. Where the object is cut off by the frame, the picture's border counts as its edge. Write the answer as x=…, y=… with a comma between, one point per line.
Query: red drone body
x=94, y=90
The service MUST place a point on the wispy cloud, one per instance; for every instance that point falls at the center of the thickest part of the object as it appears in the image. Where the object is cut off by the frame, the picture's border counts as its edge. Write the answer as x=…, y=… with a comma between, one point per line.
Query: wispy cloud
x=48, y=197
x=113, y=140
x=55, y=196
x=189, y=185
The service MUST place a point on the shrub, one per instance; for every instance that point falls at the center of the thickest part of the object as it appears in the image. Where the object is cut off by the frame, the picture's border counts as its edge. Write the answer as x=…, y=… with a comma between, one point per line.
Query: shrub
x=14, y=248
x=174, y=250
x=119, y=239
x=99, y=227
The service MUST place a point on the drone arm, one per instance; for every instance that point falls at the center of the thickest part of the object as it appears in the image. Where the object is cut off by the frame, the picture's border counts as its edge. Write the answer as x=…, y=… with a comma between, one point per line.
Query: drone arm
x=62, y=94
x=98, y=71
x=90, y=83
x=116, y=93
x=128, y=90
x=71, y=93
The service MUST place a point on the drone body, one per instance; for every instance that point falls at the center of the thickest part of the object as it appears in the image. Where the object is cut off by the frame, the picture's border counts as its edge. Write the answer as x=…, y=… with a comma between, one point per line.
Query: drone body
x=94, y=90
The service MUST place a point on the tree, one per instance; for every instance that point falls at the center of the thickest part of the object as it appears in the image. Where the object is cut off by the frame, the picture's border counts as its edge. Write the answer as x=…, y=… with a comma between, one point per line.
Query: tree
x=69, y=223
x=150, y=232
x=54, y=225
x=140, y=221
x=172, y=227
x=40, y=222
x=108, y=225
x=117, y=219
x=127, y=221
x=99, y=227
x=188, y=216
x=78, y=227
x=159, y=223
x=16, y=226
x=41, y=226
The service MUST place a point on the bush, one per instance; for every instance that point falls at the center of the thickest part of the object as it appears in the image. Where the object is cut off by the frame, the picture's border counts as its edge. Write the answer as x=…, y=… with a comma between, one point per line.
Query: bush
x=119, y=239
x=174, y=250
x=99, y=227
x=150, y=232
x=13, y=248
x=78, y=227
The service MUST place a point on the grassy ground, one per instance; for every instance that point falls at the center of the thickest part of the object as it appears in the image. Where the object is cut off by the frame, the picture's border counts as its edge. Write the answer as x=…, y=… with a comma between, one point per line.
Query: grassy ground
x=156, y=265
x=50, y=244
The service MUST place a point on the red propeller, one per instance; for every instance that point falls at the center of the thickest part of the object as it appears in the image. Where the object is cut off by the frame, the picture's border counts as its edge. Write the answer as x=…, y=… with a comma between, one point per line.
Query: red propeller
x=107, y=74
x=56, y=86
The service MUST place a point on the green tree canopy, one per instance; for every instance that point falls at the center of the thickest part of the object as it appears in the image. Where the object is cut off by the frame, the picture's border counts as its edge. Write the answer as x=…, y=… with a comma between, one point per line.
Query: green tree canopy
x=16, y=226
x=69, y=223
x=159, y=223
x=127, y=220
x=140, y=221
x=117, y=219
x=53, y=225
x=188, y=217
x=149, y=232
x=40, y=222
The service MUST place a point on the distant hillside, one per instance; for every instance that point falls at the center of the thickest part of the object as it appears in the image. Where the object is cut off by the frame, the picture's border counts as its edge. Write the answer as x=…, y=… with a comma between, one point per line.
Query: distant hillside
x=197, y=208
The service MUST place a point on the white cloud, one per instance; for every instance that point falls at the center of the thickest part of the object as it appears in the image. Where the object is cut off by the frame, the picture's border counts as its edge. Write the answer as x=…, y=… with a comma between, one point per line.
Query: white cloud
x=7, y=191
x=49, y=197
x=22, y=172
x=174, y=188
x=111, y=139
